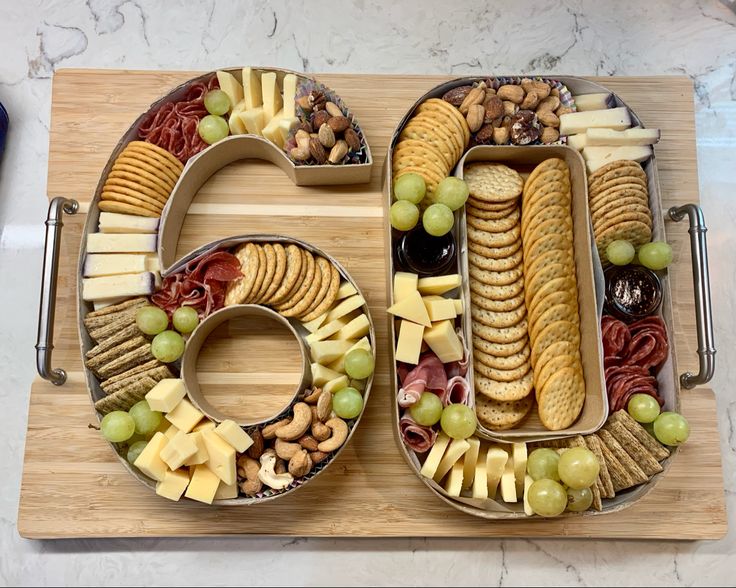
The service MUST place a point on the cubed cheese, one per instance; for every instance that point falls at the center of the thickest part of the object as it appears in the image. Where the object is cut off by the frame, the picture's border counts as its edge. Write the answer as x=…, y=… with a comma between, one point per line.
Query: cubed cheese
x=440, y=309
x=496, y=459
x=610, y=118
x=429, y=468
x=325, y=352
x=356, y=328
x=201, y=456
x=121, y=243
x=404, y=284
x=173, y=485
x=337, y=384
x=234, y=435
x=231, y=86
x=289, y=96
x=322, y=374
x=170, y=431
x=412, y=309
x=221, y=456
x=457, y=448
x=339, y=364
x=271, y=130
x=578, y=141
x=252, y=88
x=142, y=284
x=480, y=478
x=454, y=482
x=179, y=448
x=326, y=331
x=459, y=306
x=203, y=485
x=443, y=340
x=253, y=120
x=286, y=125
x=184, y=416
x=204, y=425
x=271, y=95
x=115, y=222
x=409, y=344
x=235, y=122
x=149, y=461
x=519, y=456
x=110, y=264
x=438, y=284
x=346, y=289
x=226, y=491
x=470, y=459
x=345, y=307
x=166, y=394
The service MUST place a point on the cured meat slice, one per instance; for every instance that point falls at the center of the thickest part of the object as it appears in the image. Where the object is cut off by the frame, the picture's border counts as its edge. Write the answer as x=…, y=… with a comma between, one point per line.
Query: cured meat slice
x=458, y=391
x=429, y=375
x=415, y=436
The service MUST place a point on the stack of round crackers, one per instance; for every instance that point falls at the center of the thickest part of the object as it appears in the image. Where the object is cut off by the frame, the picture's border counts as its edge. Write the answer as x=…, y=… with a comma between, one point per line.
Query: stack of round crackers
x=551, y=294
x=619, y=205
x=141, y=180
x=500, y=339
x=290, y=279
x=431, y=143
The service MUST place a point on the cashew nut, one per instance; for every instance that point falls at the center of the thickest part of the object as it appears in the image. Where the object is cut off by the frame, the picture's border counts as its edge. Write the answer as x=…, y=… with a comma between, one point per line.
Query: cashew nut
x=268, y=475
x=286, y=450
x=339, y=434
x=248, y=469
x=324, y=405
x=269, y=431
x=299, y=424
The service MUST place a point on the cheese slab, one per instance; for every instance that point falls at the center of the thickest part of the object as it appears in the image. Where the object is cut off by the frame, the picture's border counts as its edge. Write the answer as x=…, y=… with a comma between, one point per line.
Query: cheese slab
x=609, y=118
x=270, y=95
x=271, y=130
x=121, y=243
x=231, y=86
x=356, y=328
x=470, y=460
x=252, y=88
x=409, y=344
x=440, y=309
x=596, y=157
x=337, y=384
x=253, y=120
x=596, y=101
x=443, y=340
x=429, y=468
x=404, y=284
x=289, y=95
x=236, y=124
x=315, y=324
x=126, y=285
x=115, y=222
x=346, y=289
x=438, y=284
x=508, y=483
x=179, y=448
x=519, y=457
x=226, y=491
x=528, y=481
x=412, y=309
x=457, y=448
x=201, y=456
x=326, y=331
x=496, y=459
x=454, y=482
x=111, y=264
x=346, y=306
x=480, y=477
x=626, y=138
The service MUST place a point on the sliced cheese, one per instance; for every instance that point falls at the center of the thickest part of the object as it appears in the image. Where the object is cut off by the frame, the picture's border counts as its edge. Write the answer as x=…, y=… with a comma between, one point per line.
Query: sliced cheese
x=443, y=340
x=496, y=459
x=115, y=222
x=470, y=460
x=252, y=88
x=404, y=284
x=234, y=435
x=173, y=485
x=459, y=306
x=519, y=457
x=409, y=344
x=226, y=491
x=599, y=156
x=315, y=324
x=609, y=118
x=152, y=263
x=221, y=456
x=429, y=468
x=149, y=461
x=325, y=352
x=454, y=482
x=142, y=284
x=356, y=328
x=457, y=448
x=203, y=485
x=105, y=302
x=201, y=456
x=271, y=130
x=346, y=306
x=204, y=425
x=286, y=125
x=412, y=309
x=322, y=374
x=184, y=416
x=253, y=120
x=339, y=364
x=271, y=95
x=337, y=384
x=231, y=86
x=236, y=124
x=166, y=394
x=327, y=331
x=528, y=481
x=170, y=432
x=111, y=264
x=440, y=310
x=508, y=483
x=121, y=243
x=480, y=477
x=627, y=138
x=597, y=101
x=289, y=97
x=346, y=289
x=179, y=448
x=578, y=141
x=438, y=284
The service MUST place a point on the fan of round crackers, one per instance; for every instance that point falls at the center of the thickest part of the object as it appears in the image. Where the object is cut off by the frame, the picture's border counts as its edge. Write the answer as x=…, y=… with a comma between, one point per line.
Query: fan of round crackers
x=141, y=180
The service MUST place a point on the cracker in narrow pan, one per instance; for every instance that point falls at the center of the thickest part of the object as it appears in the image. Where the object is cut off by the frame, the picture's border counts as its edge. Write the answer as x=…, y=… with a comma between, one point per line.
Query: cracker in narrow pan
x=99, y=362
x=136, y=356
x=619, y=476
x=604, y=477
x=139, y=369
x=109, y=329
x=636, y=450
x=121, y=336
x=652, y=445
x=127, y=397
x=634, y=471
x=109, y=314
x=156, y=374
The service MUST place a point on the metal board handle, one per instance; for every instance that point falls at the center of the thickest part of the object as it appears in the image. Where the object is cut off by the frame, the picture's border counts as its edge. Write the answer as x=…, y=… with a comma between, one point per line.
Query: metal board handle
x=701, y=285
x=49, y=279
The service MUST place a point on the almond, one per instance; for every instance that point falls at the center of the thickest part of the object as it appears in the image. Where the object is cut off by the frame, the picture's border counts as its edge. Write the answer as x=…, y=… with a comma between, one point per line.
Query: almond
x=338, y=123
x=337, y=154
x=317, y=151
x=475, y=117
x=457, y=95
x=319, y=118
x=352, y=139
x=326, y=136
x=494, y=108
x=333, y=109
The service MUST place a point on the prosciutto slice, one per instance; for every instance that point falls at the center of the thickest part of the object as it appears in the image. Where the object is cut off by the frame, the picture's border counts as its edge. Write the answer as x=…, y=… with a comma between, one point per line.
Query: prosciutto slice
x=458, y=391
x=429, y=375
x=415, y=436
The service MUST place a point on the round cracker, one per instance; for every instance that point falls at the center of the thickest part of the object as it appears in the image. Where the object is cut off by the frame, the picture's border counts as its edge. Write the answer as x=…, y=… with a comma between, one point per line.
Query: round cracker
x=329, y=298
x=551, y=299
x=554, y=198
x=633, y=231
x=559, y=312
x=493, y=278
x=502, y=239
x=551, y=367
x=438, y=128
x=471, y=210
x=501, y=335
x=500, y=375
x=135, y=181
x=564, y=256
x=139, y=162
x=548, y=227
x=552, y=333
x=498, y=319
x=495, y=225
x=561, y=399
x=556, y=213
x=270, y=265
x=442, y=106
x=493, y=264
x=505, y=207
x=617, y=199
x=548, y=273
x=278, y=274
x=492, y=182
x=260, y=276
x=545, y=244
x=239, y=289
x=294, y=261
x=132, y=200
x=501, y=416
x=620, y=164
x=499, y=349
x=133, y=193
x=151, y=160
x=510, y=362
x=423, y=150
x=554, y=180
x=566, y=284
x=495, y=252
x=631, y=215
x=497, y=292
x=505, y=305
x=131, y=185
x=417, y=161
x=437, y=117
x=600, y=186
x=421, y=131
x=310, y=294
x=123, y=208
x=143, y=177
x=312, y=279
x=558, y=348
x=505, y=391
x=170, y=157
x=625, y=203
x=547, y=164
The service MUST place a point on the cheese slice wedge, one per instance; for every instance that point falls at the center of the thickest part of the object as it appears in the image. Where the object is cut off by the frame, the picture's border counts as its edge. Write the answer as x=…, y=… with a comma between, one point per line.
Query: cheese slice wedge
x=404, y=284
x=271, y=130
x=286, y=125
x=110, y=264
x=325, y=352
x=454, y=482
x=457, y=448
x=253, y=120
x=609, y=118
x=339, y=364
x=121, y=243
x=480, y=477
x=409, y=344
x=626, y=138
x=337, y=384
x=236, y=124
x=438, y=284
x=443, y=340
x=346, y=289
x=271, y=95
x=470, y=460
x=346, y=306
x=440, y=310
x=429, y=468
x=289, y=85
x=356, y=328
x=115, y=222
x=315, y=324
x=252, y=88
x=519, y=457
x=322, y=374
x=596, y=157
x=231, y=86
x=496, y=459
x=327, y=331
x=412, y=309
x=597, y=101
x=508, y=483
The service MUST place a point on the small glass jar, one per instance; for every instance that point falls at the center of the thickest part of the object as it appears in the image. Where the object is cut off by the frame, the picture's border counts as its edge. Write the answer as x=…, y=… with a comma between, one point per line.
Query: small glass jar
x=632, y=292
x=419, y=252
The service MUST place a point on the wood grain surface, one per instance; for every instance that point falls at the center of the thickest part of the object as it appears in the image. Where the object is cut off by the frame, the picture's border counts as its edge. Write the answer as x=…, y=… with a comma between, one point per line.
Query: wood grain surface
x=73, y=485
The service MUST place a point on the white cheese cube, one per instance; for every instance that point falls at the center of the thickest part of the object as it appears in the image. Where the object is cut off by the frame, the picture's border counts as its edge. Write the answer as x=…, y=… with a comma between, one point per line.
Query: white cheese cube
x=166, y=394
x=233, y=434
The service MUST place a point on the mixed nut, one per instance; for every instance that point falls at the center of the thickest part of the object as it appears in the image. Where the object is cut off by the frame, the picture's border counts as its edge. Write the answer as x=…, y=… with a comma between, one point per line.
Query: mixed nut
x=290, y=448
x=519, y=114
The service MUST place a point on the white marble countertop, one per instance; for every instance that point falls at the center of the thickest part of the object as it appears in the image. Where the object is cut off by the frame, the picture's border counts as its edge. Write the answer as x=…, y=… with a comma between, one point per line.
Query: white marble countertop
x=573, y=37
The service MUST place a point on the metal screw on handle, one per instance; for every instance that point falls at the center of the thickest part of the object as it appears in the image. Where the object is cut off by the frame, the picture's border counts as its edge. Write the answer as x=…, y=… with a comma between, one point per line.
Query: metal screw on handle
x=701, y=285
x=47, y=307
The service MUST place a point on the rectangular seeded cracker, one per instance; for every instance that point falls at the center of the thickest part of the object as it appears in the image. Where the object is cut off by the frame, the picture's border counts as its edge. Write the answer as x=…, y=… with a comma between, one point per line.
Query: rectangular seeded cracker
x=604, y=477
x=105, y=316
x=99, y=362
x=636, y=450
x=650, y=443
x=139, y=369
x=156, y=374
x=634, y=471
x=113, y=308
x=120, y=337
x=108, y=330
x=127, y=361
x=619, y=476
x=125, y=398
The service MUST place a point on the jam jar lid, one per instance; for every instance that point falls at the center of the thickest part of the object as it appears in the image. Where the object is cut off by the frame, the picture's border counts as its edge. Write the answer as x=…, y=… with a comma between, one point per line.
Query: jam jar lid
x=422, y=253
x=632, y=292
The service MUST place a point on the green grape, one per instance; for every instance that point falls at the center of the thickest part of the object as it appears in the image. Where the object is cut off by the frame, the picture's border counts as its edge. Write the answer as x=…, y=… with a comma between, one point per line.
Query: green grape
x=117, y=426
x=216, y=102
x=404, y=215
x=643, y=408
x=347, y=403
x=151, y=320
x=458, y=421
x=542, y=464
x=579, y=500
x=656, y=255
x=146, y=420
x=578, y=468
x=411, y=187
x=452, y=192
x=167, y=346
x=620, y=252
x=359, y=363
x=134, y=450
x=438, y=220
x=185, y=319
x=212, y=129
x=547, y=498
x=427, y=410
x=671, y=428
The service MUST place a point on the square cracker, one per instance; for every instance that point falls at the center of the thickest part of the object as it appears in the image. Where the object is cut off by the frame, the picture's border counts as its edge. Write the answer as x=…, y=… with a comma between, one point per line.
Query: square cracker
x=659, y=451
x=636, y=450
x=604, y=477
x=633, y=469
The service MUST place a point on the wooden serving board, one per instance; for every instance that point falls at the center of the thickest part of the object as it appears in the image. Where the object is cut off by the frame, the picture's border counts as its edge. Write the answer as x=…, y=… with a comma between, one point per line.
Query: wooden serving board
x=73, y=485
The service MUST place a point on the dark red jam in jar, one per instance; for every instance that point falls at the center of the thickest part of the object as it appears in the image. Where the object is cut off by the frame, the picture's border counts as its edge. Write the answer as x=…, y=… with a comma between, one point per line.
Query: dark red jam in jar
x=632, y=292
x=419, y=252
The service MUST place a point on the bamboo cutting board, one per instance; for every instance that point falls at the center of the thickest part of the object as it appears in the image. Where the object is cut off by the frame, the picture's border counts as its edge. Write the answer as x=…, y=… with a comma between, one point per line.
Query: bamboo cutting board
x=73, y=486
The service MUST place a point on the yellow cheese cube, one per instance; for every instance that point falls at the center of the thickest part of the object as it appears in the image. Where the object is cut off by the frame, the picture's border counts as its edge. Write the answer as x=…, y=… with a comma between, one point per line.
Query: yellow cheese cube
x=480, y=478
x=440, y=310
x=454, y=482
x=179, y=448
x=201, y=456
x=339, y=364
x=528, y=481
x=253, y=120
x=203, y=485
x=327, y=330
x=271, y=130
x=346, y=289
x=173, y=485
x=231, y=86
x=443, y=340
x=438, y=284
x=234, y=435
x=252, y=88
x=337, y=384
x=235, y=122
x=404, y=284
x=346, y=306
x=321, y=374
x=221, y=457
x=508, y=483
x=519, y=456
x=315, y=324
x=226, y=491
x=166, y=394
x=285, y=127
x=409, y=345
x=326, y=352
x=149, y=461
x=171, y=431
x=459, y=305
x=289, y=98
x=435, y=455
x=271, y=95
x=457, y=448
x=470, y=459
x=496, y=459
x=355, y=329
x=184, y=416
x=412, y=309
x=203, y=425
